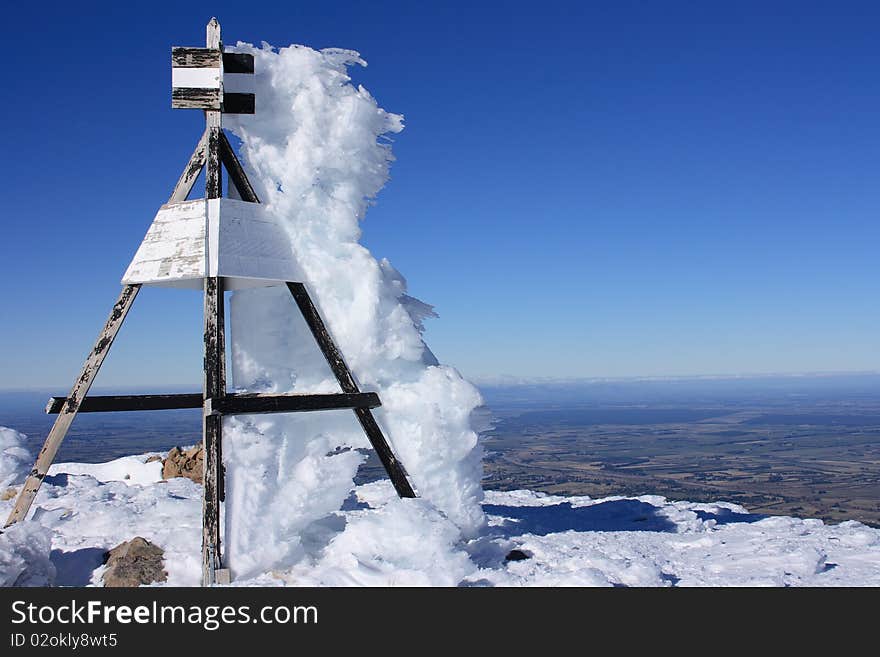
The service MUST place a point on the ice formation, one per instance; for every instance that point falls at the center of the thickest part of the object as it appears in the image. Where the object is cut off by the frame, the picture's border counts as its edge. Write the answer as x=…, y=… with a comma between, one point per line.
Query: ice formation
x=316, y=152
x=25, y=550
x=15, y=459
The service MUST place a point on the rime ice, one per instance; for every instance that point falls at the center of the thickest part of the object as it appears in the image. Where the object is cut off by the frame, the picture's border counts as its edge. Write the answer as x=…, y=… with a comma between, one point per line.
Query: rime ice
x=15, y=459
x=314, y=153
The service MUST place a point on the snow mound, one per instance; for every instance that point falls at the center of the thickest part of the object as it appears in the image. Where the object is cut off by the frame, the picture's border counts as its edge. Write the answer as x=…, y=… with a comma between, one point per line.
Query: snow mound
x=15, y=458
x=403, y=543
x=131, y=470
x=317, y=152
x=24, y=555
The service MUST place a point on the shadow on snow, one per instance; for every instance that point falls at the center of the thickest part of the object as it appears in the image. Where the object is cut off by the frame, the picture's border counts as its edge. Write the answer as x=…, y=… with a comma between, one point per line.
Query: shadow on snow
x=626, y=515
x=726, y=516
x=611, y=516
x=75, y=568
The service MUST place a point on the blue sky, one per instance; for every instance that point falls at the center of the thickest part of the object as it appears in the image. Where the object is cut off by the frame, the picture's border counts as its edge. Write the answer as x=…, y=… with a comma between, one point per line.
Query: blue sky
x=582, y=189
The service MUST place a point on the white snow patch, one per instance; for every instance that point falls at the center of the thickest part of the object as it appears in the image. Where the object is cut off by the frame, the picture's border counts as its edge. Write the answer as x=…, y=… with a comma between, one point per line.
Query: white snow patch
x=131, y=470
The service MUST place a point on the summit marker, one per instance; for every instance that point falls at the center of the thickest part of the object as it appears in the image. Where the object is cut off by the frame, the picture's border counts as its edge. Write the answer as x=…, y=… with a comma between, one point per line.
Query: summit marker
x=214, y=244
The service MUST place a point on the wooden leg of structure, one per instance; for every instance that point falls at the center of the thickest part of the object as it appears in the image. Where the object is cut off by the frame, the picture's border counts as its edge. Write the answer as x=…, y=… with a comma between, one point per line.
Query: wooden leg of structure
x=215, y=361
x=215, y=388
x=392, y=466
x=191, y=171
x=71, y=407
x=236, y=171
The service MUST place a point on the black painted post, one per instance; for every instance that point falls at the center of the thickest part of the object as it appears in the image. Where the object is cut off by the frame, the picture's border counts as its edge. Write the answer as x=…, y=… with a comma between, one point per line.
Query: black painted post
x=215, y=359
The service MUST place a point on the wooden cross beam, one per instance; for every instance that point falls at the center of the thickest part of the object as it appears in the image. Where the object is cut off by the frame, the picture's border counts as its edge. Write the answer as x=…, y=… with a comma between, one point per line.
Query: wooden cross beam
x=232, y=404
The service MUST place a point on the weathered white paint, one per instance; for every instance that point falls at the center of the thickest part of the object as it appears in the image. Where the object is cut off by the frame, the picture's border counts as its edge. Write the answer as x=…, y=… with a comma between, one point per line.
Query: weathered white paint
x=196, y=78
x=173, y=248
x=238, y=83
x=216, y=237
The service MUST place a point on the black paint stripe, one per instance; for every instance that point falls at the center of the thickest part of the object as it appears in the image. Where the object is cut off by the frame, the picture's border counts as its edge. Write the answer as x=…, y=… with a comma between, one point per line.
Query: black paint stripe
x=235, y=62
x=239, y=103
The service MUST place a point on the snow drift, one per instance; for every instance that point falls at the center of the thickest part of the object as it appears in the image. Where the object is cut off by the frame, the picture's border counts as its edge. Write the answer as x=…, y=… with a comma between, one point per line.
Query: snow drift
x=379, y=540
x=24, y=555
x=317, y=153
x=24, y=548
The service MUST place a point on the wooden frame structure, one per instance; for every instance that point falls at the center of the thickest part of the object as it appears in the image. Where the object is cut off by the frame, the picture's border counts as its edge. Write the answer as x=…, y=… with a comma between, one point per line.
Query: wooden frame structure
x=199, y=81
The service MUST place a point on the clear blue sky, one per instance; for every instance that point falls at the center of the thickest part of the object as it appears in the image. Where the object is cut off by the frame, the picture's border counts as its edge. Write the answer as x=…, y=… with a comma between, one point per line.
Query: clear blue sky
x=582, y=189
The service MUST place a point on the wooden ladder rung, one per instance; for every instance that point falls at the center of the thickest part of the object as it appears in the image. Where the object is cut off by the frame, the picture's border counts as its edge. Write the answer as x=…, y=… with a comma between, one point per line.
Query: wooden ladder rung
x=105, y=403
x=229, y=404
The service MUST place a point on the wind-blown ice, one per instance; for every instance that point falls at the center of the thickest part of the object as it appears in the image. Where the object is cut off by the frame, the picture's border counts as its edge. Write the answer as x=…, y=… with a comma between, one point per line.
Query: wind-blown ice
x=316, y=152
x=15, y=459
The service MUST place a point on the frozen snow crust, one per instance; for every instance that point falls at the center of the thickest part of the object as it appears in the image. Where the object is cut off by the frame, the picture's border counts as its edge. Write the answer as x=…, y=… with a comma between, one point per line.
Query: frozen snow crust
x=379, y=540
x=317, y=152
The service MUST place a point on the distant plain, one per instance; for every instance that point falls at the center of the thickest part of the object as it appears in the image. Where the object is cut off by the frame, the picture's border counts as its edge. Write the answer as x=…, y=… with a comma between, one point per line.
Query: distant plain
x=802, y=446
x=807, y=446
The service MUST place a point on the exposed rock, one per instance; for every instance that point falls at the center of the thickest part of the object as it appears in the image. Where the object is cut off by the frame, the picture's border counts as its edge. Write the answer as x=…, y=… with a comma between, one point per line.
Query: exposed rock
x=516, y=555
x=133, y=563
x=153, y=458
x=8, y=494
x=189, y=463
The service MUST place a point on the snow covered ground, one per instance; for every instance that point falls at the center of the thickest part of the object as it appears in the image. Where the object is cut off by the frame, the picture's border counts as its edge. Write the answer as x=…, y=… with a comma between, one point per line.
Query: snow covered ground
x=379, y=540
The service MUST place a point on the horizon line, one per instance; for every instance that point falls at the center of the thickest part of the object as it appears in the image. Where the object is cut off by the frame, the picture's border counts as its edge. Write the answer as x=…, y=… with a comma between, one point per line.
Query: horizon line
x=514, y=380
x=510, y=379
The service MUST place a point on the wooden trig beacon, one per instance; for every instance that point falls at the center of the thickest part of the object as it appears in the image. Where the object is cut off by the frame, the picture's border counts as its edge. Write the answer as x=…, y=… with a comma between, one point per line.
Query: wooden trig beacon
x=214, y=244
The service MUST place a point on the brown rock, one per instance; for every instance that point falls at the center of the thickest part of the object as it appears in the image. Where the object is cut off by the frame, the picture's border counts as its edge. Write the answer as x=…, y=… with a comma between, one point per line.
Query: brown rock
x=8, y=494
x=153, y=458
x=133, y=563
x=189, y=463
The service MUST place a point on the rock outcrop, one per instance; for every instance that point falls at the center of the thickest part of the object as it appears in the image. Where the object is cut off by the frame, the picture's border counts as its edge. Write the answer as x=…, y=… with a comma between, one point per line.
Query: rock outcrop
x=180, y=463
x=133, y=563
